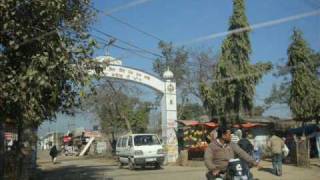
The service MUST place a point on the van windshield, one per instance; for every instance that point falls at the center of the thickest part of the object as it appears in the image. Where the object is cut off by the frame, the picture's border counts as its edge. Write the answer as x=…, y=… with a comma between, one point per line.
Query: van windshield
x=141, y=140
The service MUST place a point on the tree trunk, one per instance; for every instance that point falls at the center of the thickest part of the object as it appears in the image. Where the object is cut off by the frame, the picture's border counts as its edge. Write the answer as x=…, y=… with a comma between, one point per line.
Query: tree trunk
x=303, y=155
x=2, y=150
x=19, y=155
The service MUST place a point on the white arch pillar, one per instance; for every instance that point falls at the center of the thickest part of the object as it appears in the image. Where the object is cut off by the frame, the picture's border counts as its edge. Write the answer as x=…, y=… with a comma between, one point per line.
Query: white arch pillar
x=169, y=120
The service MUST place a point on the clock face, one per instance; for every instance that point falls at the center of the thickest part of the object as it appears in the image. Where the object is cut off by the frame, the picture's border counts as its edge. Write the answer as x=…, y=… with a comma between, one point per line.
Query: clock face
x=170, y=88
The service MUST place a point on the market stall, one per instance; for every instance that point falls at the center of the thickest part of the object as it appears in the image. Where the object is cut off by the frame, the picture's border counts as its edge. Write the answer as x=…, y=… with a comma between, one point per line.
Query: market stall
x=194, y=137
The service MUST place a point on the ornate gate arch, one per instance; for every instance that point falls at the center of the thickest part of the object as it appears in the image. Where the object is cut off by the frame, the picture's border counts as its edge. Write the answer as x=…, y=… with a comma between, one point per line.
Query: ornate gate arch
x=168, y=102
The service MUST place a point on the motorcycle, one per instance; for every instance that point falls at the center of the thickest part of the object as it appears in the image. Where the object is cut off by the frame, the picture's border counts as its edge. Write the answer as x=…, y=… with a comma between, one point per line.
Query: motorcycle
x=235, y=171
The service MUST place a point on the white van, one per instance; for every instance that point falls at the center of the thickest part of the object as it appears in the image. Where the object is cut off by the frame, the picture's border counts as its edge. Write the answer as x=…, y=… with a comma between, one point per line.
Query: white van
x=140, y=150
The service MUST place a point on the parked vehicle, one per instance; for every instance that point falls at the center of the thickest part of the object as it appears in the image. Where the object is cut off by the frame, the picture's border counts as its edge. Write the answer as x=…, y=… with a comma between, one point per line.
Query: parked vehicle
x=140, y=150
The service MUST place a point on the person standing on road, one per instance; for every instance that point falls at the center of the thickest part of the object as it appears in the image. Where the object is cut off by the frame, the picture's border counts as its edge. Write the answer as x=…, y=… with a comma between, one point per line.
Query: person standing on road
x=53, y=153
x=276, y=144
x=246, y=145
x=316, y=135
x=236, y=135
x=256, y=151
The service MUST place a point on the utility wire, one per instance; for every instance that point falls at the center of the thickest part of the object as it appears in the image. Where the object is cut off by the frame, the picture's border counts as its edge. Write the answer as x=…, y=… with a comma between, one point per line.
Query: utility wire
x=132, y=51
x=125, y=42
x=127, y=24
x=127, y=6
x=254, y=26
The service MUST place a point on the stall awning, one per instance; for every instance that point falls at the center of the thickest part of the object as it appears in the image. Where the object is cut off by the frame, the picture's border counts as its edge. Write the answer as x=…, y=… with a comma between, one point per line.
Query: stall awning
x=189, y=122
x=211, y=124
x=247, y=125
x=196, y=123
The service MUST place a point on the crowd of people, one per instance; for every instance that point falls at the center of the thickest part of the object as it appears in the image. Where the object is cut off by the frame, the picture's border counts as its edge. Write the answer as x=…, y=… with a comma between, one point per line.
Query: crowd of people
x=227, y=144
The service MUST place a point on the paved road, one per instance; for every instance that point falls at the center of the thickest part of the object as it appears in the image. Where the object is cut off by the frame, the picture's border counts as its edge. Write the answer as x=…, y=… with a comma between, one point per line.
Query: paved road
x=69, y=169
x=106, y=169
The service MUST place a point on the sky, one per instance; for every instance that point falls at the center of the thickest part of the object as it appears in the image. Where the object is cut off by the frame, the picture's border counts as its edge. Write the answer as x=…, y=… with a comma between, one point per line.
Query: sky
x=183, y=22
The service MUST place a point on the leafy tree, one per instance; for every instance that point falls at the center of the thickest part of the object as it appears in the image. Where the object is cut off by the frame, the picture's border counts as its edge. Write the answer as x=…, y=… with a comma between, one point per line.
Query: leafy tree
x=173, y=58
x=258, y=111
x=115, y=103
x=316, y=62
x=176, y=60
x=279, y=94
x=304, y=89
x=45, y=53
x=201, y=65
x=191, y=111
x=233, y=88
x=300, y=95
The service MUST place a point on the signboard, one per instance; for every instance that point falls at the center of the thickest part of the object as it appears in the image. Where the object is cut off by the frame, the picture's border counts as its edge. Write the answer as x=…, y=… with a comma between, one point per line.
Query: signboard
x=122, y=72
x=66, y=139
x=8, y=136
x=92, y=134
x=101, y=147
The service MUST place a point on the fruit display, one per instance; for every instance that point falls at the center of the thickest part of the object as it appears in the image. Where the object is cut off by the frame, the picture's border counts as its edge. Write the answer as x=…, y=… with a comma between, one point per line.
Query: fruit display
x=194, y=136
x=195, y=139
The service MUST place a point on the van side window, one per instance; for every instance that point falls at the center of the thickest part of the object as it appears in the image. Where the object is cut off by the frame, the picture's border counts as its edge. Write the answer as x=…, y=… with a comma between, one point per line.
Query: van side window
x=124, y=142
x=119, y=142
x=130, y=141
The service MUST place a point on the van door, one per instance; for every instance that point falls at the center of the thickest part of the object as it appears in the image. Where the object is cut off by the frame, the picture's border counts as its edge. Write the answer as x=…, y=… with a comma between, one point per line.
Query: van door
x=124, y=149
x=118, y=147
x=130, y=147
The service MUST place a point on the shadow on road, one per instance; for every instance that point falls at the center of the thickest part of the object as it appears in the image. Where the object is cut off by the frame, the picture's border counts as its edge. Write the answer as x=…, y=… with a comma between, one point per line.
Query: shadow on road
x=74, y=172
x=269, y=170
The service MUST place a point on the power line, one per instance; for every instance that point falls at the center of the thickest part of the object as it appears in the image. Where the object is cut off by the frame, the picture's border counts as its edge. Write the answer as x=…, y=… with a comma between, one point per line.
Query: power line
x=132, y=51
x=254, y=26
x=127, y=24
x=127, y=6
x=127, y=43
x=110, y=42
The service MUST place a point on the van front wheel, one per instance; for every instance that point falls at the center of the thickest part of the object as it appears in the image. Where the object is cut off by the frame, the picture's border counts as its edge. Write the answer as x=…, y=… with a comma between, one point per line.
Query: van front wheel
x=120, y=164
x=157, y=166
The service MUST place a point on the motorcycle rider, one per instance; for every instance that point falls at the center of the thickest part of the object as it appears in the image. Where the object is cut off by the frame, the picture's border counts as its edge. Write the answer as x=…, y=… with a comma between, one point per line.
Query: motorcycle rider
x=220, y=151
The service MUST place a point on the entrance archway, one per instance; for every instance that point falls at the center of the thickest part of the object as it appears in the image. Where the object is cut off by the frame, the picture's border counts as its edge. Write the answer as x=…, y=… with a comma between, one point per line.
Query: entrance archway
x=168, y=101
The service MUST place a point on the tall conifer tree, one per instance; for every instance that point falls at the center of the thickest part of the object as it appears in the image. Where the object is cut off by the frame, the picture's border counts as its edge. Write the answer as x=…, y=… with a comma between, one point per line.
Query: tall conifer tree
x=233, y=89
x=304, y=100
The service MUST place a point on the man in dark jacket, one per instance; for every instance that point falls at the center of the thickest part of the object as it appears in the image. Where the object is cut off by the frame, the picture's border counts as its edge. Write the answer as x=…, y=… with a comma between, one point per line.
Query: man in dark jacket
x=246, y=145
x=220, y=151
x=53, y=153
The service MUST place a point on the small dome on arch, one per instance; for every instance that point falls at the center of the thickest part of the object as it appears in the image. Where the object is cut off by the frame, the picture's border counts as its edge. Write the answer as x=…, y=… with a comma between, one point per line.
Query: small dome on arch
x=168, y=74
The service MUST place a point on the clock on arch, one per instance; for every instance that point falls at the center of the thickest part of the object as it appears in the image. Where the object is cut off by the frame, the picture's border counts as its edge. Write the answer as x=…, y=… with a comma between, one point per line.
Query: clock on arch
x=170, y=88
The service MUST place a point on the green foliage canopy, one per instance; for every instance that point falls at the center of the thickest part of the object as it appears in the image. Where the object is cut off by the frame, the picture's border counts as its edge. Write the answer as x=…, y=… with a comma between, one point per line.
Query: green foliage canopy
x=235, y=79
x=112, y=108
x=304, y=100
x=45, y=53
x=173, y=58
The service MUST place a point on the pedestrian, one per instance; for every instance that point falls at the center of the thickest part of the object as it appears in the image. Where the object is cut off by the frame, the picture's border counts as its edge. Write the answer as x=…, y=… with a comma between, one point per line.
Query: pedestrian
x=213, y=135
x=236, y=135
x=53, y=153
x=246, y=145
x=256, y=151
x=316, y=135
x=291, y=144
x=276, y=145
